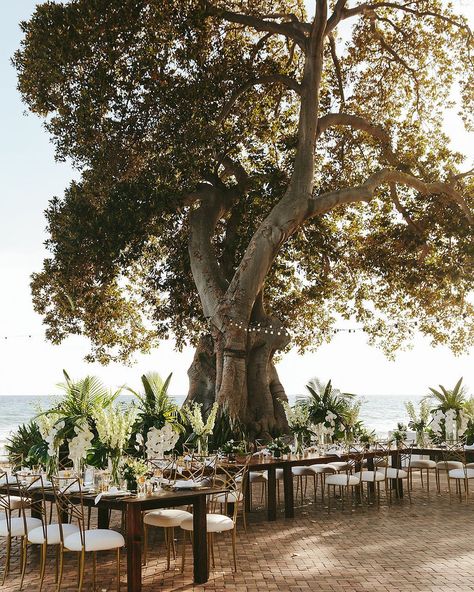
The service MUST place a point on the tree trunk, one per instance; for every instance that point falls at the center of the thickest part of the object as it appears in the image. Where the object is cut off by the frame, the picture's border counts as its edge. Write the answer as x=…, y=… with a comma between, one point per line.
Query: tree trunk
x=251, y=381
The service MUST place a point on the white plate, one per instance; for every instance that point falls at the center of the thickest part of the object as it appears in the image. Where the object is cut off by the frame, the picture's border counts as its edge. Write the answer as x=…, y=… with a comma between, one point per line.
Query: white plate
x=186, y=484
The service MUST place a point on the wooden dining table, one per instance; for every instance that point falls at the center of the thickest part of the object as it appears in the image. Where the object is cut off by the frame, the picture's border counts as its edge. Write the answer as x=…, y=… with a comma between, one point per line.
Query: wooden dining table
x=134, y=507
x=270, y=465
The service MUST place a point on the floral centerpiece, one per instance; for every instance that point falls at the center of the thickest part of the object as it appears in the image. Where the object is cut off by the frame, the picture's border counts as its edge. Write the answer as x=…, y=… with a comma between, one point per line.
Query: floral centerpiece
x=160, y=441
x=419, y=421
x=132, y=471
x=298, y=418
x=201, y=429
x=79, y=445
x=231, y=448
x=400, y=434
x=50, y=427
x=277, y=447
x=449, y=426
x=114, y=426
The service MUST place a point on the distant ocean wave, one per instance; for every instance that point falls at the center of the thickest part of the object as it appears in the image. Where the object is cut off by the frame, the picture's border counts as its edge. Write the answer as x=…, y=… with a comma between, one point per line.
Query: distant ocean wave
x=379, y=412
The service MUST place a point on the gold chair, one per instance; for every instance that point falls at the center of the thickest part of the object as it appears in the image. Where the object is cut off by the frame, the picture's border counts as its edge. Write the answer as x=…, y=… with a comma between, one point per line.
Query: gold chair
x=13, y=527
x=70, y=502
x=461, y=475
x=399, y=471
x=374, y=477
x=31, y=488
x=168, y=519
x=351, y=483
x=234, y=479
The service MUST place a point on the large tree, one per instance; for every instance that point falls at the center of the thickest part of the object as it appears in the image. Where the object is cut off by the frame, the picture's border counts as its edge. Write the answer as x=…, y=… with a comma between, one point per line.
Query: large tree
x=250, y=174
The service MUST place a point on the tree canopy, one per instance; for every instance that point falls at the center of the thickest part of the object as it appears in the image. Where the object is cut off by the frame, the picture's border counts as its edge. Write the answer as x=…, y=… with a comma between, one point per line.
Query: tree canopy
x=192, y=122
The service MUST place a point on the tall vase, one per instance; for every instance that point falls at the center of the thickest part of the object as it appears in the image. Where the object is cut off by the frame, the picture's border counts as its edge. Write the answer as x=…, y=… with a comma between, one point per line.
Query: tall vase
x=203, y=445
x=299, y=443
x=114, y=467
x=52, y=466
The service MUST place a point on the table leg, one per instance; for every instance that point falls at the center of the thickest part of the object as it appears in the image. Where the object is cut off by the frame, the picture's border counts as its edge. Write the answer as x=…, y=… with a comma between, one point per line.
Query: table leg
x=134, y=547
x=371, y=485
x=103, y=518
x=201, y=565
x=288, y=487
x=247, y=494
x=271, y=494
x=397, y=484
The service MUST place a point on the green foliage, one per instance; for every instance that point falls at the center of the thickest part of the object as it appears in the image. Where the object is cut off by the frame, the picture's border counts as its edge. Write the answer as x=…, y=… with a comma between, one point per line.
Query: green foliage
x=278, y=447
x=324, y=398
x=25, y=447
x=400, y=434
x=418, y=420
x=446, y=399
x=155, y=407
x=133, y=93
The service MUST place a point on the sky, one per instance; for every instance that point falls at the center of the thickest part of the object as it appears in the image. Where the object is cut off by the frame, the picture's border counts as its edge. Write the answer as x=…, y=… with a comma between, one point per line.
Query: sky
x=30, y=176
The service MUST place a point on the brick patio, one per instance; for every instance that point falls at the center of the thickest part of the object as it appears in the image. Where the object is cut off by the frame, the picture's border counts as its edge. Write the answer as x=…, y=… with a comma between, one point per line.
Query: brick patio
x=426, y=546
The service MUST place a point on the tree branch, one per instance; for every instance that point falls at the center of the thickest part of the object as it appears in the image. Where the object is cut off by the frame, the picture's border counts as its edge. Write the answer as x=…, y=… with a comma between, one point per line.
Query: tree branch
x=359, y=123
x=287, y=29
x=327, y=201
x=336, y=16
x=287, y=81
x=337, y=67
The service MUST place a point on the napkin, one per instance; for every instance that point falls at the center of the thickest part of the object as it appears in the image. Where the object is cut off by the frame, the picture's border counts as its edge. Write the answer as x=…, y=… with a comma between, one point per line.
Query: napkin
x=111, y=491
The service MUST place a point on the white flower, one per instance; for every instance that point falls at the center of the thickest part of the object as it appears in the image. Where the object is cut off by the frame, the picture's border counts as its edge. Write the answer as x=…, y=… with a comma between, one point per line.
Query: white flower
x=114, y=426
x=160, y=441
x=81, y=443
x=194, y=415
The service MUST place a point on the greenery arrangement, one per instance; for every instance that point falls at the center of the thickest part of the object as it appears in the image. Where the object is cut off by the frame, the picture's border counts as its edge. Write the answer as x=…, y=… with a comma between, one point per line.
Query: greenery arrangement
x=278, y=447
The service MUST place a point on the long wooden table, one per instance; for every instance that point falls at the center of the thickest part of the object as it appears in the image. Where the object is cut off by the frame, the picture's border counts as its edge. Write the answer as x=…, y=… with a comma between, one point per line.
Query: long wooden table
x=270, y=465
x=134, y=507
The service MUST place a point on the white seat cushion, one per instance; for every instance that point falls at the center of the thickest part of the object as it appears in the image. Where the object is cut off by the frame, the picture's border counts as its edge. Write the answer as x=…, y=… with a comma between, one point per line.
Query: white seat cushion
x=370, y=476
x=166, y=518
x=302, y=471
x=101, y=539
x=17, y=526
x=422, y=464
x=342, y=480
x=448, y=465
x=258, y=476
x=215, y=523
x=322, y=468
x=53, y=534
x=469, y=465
x=340, y=465
x=393, y=473
x=231, y=497
x=461, y=473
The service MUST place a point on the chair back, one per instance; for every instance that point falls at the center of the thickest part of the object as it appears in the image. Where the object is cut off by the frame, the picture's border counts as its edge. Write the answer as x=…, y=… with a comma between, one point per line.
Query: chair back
x=401, y=458
x=233, y=477
x=381, y=457
x=200, y=469
x=31, y=490
x=455, y=452
x=164, y=469
x=69, y=504
x=355, y=457
x=5, y=506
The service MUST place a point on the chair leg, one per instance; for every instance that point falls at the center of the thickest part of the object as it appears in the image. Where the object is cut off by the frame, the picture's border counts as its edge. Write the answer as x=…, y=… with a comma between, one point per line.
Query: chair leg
x=94, y=570
x=44, y=553
x=61, y=568
x=118, y=569
x=7, y=559
x=168, y=548
x=428, y=480
x=184, y=551
x=145, y=544
x=234, y=552
x=82, y=562
x=24, y=545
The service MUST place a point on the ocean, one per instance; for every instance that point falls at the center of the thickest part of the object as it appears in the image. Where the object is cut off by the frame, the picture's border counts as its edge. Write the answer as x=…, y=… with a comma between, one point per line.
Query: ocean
x=379, y=412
